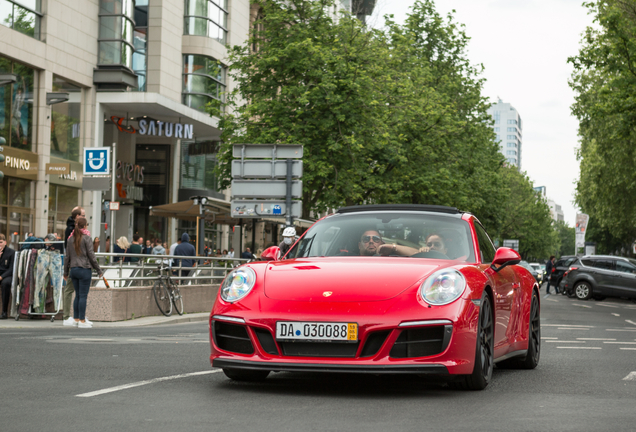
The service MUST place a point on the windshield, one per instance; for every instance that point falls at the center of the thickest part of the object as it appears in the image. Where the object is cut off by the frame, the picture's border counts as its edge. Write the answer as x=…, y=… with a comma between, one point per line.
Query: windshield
x=412, y=234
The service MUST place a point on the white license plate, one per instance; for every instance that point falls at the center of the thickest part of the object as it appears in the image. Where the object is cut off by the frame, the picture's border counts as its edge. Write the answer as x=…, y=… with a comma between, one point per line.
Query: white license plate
x=316, y=331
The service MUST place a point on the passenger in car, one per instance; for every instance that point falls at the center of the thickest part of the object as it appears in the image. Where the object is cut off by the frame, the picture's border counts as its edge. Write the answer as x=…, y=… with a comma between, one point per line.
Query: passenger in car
x=434, y=243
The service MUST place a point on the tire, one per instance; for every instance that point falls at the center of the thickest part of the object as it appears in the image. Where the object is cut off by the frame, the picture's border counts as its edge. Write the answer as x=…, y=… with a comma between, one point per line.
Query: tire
x=531, y=359
x=582, y=290
x=484, y=352
x=162, y=297
x=177, y=298
x=245, y=375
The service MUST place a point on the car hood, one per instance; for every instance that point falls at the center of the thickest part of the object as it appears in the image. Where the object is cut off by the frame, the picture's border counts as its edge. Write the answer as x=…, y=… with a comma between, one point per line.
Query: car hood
x=345, y=279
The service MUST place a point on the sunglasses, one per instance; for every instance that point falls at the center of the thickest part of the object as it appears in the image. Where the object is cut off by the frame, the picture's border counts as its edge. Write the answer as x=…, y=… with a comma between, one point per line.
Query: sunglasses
x=435, y=244
x=367, y=239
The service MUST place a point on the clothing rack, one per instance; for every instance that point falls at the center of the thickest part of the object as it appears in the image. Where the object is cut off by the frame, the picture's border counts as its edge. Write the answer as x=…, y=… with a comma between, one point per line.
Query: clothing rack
x=30, y=270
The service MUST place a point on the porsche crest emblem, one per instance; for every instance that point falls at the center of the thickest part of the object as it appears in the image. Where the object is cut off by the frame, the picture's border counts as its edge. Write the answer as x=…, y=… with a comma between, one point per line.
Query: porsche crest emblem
x=327, y=293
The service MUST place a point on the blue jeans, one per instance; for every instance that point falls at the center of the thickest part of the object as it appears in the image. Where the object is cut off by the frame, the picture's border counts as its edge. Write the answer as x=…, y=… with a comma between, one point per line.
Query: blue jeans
x=82, y=282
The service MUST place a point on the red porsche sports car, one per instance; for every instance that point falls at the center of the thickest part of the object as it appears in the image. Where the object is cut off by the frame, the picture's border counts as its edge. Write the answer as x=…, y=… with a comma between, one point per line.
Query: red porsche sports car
x=381, y=289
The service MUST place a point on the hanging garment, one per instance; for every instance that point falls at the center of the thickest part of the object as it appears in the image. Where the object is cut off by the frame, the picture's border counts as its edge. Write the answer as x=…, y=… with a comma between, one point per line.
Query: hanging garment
x=48, y=263
x=15, y=286
x=29, y=282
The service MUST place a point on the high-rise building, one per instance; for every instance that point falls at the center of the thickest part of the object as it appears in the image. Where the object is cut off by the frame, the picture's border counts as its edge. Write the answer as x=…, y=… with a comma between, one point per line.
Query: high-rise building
x=508, y=128
x=78, y=74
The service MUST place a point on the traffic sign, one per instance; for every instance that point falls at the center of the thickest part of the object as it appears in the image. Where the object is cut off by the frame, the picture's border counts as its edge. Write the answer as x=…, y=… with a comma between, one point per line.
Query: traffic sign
x=264, y=151
x=264, y=208
x=265, y=189
x=265, y=168
x=96, y=161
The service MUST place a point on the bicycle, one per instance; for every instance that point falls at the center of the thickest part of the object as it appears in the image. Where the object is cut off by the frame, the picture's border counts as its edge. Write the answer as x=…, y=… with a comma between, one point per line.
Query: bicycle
x=167, y=293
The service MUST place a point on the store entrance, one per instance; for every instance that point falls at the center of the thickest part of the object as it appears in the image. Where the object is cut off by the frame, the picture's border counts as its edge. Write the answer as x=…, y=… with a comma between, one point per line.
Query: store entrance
x=155, y=159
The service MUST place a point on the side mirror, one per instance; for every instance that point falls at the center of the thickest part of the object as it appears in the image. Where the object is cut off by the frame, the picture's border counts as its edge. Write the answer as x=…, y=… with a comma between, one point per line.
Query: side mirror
x=505, y=257
x=272, y=253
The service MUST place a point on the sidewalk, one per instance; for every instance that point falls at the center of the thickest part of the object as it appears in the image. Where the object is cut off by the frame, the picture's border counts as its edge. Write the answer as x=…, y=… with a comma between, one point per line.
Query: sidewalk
x=137, y=322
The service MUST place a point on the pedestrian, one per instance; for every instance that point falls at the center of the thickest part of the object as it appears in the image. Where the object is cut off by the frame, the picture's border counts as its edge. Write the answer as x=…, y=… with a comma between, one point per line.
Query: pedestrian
x=158, y=249
x=107, y=248
x=549, y=268
x=121, y=247
x=185, y=249
x=230, y=254
x=7, y=255
x=289, y=238
x=69, y=289
x=135, y=247
x=80, y=258
x=173, y=246
x=248, y=254
x=96, y=245
x=148, y=248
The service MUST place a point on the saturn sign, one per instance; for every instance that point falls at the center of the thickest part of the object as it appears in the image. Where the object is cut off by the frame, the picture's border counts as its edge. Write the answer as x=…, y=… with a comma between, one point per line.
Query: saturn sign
x=96, y=161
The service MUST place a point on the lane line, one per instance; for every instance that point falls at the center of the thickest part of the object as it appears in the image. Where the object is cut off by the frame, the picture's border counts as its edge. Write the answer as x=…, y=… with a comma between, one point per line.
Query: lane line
x=146, y=382
x=579, y=347
x=566, y=325
x=562, y=341
x=571, y=328
x=630, y=377
x=631, y=322
x=606, y=305
x=615, y=314
x=629, y=349
x=623, y=343
x=625, y=330
x=596, y=339
x=545, y=337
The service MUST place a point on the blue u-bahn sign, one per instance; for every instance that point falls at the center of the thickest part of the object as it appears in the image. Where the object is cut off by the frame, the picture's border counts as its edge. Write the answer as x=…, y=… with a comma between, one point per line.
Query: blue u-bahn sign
x=96, y=161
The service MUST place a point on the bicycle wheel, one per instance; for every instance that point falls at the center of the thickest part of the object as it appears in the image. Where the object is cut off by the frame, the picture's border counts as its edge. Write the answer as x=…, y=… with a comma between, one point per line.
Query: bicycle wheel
x=162, y=297
x=175, y=293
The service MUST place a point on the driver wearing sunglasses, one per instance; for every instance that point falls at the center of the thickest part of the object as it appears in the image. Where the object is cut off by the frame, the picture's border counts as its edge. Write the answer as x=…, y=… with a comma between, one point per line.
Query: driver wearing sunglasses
x=370, y=242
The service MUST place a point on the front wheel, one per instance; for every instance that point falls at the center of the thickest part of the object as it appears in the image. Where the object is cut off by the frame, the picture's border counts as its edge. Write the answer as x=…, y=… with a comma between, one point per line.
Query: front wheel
x=245, y=375
x=582, y=290
x=484, y=354
x=177, y=298
x=162, y=297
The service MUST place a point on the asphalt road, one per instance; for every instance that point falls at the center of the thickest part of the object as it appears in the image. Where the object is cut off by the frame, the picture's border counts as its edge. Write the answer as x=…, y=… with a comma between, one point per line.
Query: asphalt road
x=159, y=378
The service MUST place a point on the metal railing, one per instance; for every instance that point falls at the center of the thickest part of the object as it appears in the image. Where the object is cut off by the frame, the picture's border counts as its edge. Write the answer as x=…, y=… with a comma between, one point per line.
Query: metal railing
x=120, y=273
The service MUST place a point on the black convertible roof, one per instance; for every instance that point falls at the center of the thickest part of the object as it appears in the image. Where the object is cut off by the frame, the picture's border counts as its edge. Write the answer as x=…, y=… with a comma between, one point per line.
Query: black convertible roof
x=408, y=207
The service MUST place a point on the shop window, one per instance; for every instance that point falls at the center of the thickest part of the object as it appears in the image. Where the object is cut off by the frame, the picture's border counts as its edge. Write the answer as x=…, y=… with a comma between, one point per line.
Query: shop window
x=198, y=161
x=139, y=59
x=16, y=209
x=65, y=121
x=62, y=201
x=203, y=81
x=206, y=18
x=23, y=16
x=116, y=32
x=16, y=106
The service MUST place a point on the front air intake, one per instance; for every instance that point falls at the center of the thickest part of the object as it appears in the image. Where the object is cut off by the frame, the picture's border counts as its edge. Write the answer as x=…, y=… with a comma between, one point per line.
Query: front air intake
x=422, y=341
x=232, y=337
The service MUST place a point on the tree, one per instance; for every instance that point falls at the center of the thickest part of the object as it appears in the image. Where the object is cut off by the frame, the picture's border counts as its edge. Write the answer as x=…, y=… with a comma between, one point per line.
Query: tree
x=567, y=238
x=384, y=116
x=526, y=217
x=604, y=80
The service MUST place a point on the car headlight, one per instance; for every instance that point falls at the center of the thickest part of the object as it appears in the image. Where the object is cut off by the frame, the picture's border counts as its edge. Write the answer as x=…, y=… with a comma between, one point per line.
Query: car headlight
x=443, y=287
x=238, y=284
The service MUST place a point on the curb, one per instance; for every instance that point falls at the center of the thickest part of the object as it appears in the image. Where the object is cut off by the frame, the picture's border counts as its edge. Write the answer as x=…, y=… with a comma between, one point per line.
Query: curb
x=26, y=323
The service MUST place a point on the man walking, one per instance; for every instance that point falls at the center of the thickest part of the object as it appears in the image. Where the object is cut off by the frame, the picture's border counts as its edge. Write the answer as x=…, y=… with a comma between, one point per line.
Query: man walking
x=7, y=256
x=549, y=266
x=69, y=289
x=185, y=249
x=135, y=247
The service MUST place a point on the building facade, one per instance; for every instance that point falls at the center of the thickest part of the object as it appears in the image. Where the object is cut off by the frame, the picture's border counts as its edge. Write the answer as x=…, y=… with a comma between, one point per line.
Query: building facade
x=509, y=128
x=93, y=73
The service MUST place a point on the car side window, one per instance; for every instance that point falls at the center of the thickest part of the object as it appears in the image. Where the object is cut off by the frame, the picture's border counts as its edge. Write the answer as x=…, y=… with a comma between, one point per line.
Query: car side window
x=486, y=249
x=604, y=264
x=625, y=267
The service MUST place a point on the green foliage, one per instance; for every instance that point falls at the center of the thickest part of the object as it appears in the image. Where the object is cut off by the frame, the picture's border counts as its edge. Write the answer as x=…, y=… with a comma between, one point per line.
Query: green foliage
x=526, y=217
x=604, y=80
x=384, y=116
x=567, y=238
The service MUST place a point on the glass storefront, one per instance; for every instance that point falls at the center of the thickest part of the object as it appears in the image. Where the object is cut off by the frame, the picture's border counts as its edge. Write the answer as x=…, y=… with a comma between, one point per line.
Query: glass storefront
x=62, y=201
x=16, y=106
x=155, y=160
x=198, y=161
x=16, y=209
x=65, y=121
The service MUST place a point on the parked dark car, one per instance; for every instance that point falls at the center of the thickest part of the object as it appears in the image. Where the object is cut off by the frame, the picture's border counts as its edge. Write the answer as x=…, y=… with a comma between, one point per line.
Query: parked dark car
x=537, y=276
x=560, y=267
x=601, y=276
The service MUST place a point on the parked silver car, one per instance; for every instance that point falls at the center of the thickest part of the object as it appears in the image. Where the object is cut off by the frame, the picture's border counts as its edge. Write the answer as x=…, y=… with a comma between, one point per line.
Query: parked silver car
x=601, y=276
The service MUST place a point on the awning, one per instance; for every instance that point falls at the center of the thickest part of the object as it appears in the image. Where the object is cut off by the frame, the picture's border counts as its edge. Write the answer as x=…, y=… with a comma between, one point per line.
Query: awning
x=214, y=211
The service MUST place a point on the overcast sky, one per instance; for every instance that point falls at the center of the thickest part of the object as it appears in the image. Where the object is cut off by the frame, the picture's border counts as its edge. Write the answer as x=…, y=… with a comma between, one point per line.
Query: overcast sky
x=524, y=46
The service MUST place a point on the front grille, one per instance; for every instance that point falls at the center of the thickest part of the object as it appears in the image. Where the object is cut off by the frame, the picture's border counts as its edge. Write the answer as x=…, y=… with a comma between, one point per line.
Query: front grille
x=319, y=349
x=266, y=340
x=374, y=343
x=232, y=337
x=421, y=342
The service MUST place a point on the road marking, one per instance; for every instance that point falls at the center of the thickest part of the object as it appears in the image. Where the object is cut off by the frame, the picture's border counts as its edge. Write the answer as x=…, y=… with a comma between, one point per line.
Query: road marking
x=549, y=299
x=626, y=330
x=606, y=305
x=583, y=306
x=566, y=325
x=623, y=343
x=579, y=347
x=571, y=328
x=630, y=377
x=628, y=349
x=562, y=341
x=631, y=322
x=142, y=383
x=615, y=314
x=544, y=337
x=596, y=339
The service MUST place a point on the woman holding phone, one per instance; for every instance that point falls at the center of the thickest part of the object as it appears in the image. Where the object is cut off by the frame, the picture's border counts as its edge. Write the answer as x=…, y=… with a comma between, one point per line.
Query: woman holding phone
x=80, y=259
